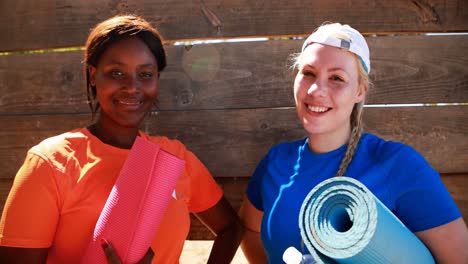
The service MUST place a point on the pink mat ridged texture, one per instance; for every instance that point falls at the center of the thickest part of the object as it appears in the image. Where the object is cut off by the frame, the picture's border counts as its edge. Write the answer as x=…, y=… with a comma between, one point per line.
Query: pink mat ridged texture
x=136, y=204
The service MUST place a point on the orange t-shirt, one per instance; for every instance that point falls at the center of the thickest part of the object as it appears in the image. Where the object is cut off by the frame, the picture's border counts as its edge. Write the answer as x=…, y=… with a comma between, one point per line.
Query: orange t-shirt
x=61, y=188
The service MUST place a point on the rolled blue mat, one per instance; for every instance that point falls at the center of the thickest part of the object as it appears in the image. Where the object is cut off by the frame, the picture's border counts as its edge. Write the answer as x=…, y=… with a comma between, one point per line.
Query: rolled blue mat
x=341, y=221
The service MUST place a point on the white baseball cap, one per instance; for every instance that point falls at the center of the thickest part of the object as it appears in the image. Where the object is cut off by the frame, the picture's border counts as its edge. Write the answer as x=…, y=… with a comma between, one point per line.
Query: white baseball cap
x=341, y=36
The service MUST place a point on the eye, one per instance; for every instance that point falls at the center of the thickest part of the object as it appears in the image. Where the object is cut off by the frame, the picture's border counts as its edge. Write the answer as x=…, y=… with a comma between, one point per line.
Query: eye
x=308, y=73
x=337, y=78
x=117, y=74
x=146, y=75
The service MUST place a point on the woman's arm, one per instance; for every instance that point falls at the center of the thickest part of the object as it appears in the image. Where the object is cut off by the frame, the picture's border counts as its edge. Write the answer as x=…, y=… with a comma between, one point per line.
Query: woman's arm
x=30, y=215
x=447, y=243
x=223, y=221
x=17, y=255
x=251, y=243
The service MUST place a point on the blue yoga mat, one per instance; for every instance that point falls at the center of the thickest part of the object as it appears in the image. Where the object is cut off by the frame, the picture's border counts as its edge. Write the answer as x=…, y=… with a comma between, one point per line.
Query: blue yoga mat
x=341, y=221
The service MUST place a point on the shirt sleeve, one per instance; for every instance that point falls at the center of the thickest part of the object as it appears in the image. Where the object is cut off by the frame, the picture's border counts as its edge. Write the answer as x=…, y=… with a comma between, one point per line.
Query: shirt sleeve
x=31, y=211
x=254, y=188
x=422, y=200
x=204, y=190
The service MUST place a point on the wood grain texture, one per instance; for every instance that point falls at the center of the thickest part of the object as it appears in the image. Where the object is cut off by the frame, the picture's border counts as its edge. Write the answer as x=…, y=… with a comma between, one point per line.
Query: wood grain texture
x=232, y=142
x=405, y=69
x=29, y=24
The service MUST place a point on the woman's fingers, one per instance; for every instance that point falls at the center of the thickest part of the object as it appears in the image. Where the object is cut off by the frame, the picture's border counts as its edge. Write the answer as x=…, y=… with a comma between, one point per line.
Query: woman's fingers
x=148, y=257
x=109, y=251
x=113, y=258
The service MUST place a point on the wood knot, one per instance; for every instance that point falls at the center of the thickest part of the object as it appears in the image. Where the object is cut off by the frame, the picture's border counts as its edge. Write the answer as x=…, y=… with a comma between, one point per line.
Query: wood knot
x=184, y=97
x=212, y=18
x=426, y=12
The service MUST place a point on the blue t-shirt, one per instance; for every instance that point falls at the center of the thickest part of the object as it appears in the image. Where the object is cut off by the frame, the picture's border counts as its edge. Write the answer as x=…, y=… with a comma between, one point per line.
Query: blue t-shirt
x=395, y=173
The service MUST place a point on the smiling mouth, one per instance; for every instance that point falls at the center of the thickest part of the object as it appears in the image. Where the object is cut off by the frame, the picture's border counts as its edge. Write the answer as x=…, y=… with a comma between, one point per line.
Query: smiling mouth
x=317, y=109
x=131, y=104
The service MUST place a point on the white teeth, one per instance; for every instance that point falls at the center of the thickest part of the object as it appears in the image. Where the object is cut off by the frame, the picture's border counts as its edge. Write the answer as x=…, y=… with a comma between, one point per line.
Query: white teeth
x=318, y=109
x=129, y=102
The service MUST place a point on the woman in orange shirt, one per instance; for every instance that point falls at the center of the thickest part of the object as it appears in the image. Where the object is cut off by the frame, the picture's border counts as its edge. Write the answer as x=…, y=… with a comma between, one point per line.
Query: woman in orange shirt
x=61, y=188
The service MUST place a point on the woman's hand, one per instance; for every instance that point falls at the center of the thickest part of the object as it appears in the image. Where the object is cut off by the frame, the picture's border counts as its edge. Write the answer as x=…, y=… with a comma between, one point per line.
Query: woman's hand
x=113, y=258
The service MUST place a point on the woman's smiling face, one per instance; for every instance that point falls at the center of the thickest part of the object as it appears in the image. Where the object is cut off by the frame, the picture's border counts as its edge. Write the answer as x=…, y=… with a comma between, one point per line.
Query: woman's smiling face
x=326, y=88
x=126, y=79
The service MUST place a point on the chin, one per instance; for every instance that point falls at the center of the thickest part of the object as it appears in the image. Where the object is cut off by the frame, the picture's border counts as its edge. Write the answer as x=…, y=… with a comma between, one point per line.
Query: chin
x=131, y=121
x=131, y=124
x=312, y=129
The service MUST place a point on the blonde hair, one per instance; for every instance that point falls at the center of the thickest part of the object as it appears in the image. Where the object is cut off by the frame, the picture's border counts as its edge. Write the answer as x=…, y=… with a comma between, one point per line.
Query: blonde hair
x=357, y=125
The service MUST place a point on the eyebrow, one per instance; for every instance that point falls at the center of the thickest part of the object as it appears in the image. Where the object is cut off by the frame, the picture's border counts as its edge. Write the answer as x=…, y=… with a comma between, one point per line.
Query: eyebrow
x=337, y=69
x=115, y=62
x=328, y=70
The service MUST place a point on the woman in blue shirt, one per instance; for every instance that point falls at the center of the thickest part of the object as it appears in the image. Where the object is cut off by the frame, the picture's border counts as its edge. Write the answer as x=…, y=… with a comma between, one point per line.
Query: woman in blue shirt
x=329, y=91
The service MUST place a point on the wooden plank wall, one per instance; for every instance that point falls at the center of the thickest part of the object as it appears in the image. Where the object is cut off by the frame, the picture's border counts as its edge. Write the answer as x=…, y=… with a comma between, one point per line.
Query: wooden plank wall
x=230, y=102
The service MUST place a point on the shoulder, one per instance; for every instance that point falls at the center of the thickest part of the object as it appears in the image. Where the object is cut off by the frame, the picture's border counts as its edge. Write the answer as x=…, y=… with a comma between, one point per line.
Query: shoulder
x=281, y=156
x=402, y=163
x=286, y=149
x=61, y=145
x=376, y=144
x=59, y=149
x=173, y=146
x=386, y=149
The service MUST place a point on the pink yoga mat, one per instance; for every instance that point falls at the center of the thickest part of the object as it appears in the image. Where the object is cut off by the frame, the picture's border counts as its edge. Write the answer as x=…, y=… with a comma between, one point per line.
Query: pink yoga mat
x=136, y=204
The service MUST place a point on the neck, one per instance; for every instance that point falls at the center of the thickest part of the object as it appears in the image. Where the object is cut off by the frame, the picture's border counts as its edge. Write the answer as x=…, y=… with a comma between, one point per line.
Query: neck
x=117, y=137
x=326, y=142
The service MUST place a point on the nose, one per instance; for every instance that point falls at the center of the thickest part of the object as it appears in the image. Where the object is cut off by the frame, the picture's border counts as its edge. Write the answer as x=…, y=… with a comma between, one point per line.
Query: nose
x=131, y=84
x=316, y=87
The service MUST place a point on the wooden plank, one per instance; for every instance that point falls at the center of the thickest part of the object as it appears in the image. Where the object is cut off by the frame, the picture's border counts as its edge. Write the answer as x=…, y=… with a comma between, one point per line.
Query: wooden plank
x=234, y=189
x=405, y=69
x=406, y=66
x=232, y=142
x=42, y=83
x=29, y=24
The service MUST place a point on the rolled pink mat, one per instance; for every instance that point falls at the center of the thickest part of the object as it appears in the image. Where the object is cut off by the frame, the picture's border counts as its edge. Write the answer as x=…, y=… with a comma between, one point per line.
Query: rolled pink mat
x=136, y=204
